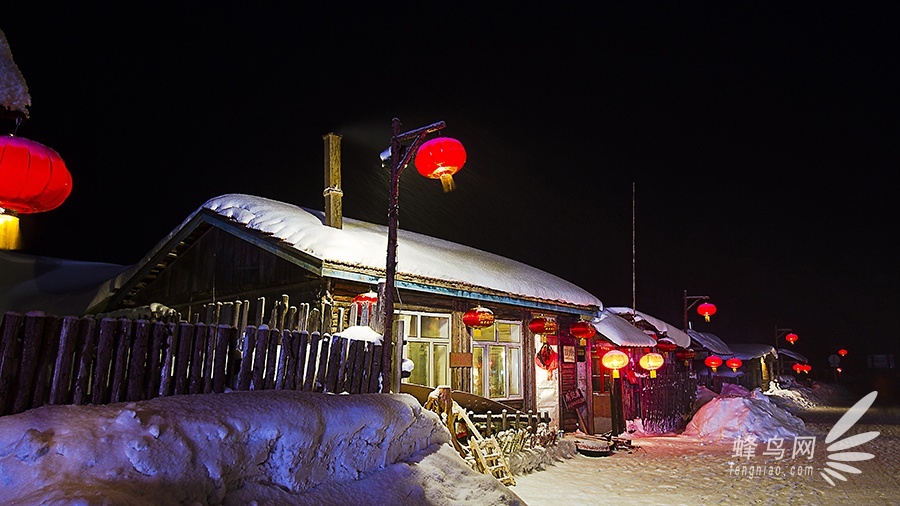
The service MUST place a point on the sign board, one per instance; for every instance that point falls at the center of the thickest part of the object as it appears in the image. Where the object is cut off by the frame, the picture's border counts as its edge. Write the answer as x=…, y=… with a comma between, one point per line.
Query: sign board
x=568, y=353
x=574, y=398
x=459, y=359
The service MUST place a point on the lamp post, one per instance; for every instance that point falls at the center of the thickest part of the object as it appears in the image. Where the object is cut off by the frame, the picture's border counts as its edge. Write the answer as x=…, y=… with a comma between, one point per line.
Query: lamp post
x=695, y=299
x=778, y=362
x=399, y=157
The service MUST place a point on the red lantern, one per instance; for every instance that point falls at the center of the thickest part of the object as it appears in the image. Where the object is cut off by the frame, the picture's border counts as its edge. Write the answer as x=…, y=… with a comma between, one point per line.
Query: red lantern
x=706, y=310
x=734, y=363
x=543, y=326
x=582, y=330
x=365, y=307
x=807, y=368
x=713, y=362
x=33, y=179
x=478, y=317
x=791, y=338
x=666, y=345
x=842, y=352
x=440, y=158
x=686, y=355
x=366, y=298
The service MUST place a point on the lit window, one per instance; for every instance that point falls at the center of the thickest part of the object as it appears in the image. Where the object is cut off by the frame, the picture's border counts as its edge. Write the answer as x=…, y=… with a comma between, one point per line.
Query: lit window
x=427, y=337
x=497, y=360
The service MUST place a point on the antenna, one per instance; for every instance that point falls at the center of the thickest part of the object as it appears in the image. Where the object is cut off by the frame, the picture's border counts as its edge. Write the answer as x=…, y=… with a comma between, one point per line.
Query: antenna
x=633, y=268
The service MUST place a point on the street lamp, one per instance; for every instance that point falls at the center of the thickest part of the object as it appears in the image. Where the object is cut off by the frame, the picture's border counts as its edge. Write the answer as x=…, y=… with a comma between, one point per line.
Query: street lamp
x=778, y=362
x=708, y=309
x=399, y=157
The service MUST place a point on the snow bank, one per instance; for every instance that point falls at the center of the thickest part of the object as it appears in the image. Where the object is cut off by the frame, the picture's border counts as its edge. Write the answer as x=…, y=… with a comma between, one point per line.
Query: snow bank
x=737, y=413
x=238, y=448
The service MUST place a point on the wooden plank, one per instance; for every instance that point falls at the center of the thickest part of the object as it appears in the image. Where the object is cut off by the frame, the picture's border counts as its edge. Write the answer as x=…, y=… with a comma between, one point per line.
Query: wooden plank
x=165, y=372
x=86, y=351
x=323, y=363
x=209, y=356
x=183, y=358
x=156, y=351
x=272, y=358
x=9, y=358
x=291, y=347
x=46, y=360
x=137, y=368
x=220, y=367
x=375, y=383
x=198, y=350
x=123, y=335
x=367, y=368
x=29, y=348
x=309, y=381
x=282, y=368
x=257, y=381
x=248, y=346
x=358, y=350
x=302, y=353
x=334, y=363
x=60, y=387
x=234, y=357
x=105, y=341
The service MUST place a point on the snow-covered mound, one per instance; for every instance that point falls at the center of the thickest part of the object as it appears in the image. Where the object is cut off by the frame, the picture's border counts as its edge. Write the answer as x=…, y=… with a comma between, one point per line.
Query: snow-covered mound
x=737, y=413
x=261, y=447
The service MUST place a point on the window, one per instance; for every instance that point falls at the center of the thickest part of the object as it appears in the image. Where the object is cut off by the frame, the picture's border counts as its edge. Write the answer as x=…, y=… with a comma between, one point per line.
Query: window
x=427, y=337
x=497, y=360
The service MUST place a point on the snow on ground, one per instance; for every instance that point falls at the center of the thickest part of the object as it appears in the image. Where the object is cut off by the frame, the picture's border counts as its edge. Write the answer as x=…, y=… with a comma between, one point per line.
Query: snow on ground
x=284, y=448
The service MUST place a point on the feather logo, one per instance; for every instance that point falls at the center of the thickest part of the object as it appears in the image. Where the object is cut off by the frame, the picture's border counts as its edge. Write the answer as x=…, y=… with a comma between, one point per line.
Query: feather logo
x=836, y=461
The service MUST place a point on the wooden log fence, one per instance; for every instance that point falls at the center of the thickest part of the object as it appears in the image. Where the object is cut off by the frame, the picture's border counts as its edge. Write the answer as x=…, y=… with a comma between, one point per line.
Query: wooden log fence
x=45, y=359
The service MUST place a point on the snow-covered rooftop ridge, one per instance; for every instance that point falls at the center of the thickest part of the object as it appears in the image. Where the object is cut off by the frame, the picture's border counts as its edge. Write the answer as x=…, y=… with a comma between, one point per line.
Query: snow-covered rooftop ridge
x=676, y=335
x=748, y=351
x=364, y=245
x=711, y=342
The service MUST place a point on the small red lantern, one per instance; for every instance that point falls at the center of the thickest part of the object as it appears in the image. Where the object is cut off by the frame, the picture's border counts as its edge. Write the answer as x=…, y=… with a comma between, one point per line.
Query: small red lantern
x=713, y=362
x=440, y=158
x=652, y=362
x=478, y=317
x=365, y=307
x=665, y=345
x=686, y=355
x=734, y=363
x=582, y=330
x=615, y=360
x=807, y=368
x=706, y=310
x=543, y=326
x=842, y=352
x=33, y=179
x=791, y=338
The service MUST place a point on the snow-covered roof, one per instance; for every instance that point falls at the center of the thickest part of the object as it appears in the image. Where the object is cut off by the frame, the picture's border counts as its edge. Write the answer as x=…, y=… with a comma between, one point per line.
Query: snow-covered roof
x=619, y=331
x=358, y=252
x=748, y=351
x=675, y=335
x=792, y=354
x=711, y=342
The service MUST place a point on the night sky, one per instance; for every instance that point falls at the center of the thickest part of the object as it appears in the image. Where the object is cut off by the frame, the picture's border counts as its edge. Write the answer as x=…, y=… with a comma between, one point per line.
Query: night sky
x=749, y=151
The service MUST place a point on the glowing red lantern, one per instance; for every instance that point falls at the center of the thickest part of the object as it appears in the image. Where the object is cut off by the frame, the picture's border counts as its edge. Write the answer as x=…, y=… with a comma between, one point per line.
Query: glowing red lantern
x=582, y=330
x=365, y=306
x=791, y=338
x=807, y=368
x=652, y=362
x=33, y=179
x=734, y=363
x=797, y=367
x=842, y=352
x=440, y=158
x=713, y=362
x=615, y=360
x=543, y=326
x=366, y=298
x=706, y=310
x=686, y=355
x=666, y=345
x=478, y=317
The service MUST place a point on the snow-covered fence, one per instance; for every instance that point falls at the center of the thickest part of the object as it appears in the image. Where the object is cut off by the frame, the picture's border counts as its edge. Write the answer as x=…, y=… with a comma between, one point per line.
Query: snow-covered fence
x=45, y=359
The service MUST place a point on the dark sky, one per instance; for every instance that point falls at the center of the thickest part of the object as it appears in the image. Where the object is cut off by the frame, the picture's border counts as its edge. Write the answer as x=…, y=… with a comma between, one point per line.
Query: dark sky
x=761, y=141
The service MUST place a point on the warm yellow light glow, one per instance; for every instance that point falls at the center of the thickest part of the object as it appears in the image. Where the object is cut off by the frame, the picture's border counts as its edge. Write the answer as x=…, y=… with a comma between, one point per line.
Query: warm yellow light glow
x=9, y=232
x=652, y=362
x=614, y=360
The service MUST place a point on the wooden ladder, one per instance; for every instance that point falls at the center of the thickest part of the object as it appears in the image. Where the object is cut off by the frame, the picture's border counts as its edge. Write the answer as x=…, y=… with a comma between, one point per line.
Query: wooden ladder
x=491, y=460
